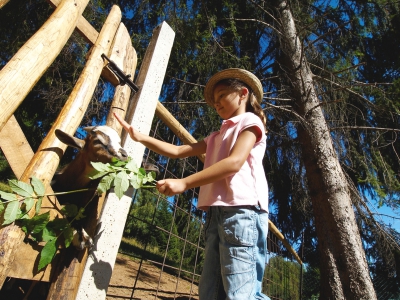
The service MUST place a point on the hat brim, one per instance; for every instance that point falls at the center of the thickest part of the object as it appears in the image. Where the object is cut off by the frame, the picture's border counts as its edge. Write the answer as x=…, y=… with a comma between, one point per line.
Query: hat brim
x=240, y=74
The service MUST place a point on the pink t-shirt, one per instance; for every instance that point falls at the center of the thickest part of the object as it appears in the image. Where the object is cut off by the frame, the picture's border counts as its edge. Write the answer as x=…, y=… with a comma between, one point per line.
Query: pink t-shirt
x=249, y=185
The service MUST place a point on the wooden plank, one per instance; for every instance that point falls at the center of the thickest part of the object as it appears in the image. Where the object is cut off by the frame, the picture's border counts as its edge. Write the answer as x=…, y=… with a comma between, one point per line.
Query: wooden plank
x=99, y=266
x=15, y=147
x=66, y=284
x=3, y=2
x=176, y=127
x=284, y=241
x=25, y=68
x=88, y=32
x=124, y=55
x=119, y=49
x=18, y=152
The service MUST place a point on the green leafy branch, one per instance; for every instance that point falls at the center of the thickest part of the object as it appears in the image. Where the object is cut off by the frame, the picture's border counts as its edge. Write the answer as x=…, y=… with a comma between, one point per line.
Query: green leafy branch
x=18, y=205
x=120, y=175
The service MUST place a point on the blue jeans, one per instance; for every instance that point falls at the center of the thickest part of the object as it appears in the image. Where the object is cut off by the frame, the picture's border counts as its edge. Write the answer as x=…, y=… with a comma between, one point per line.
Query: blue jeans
x=235, y=253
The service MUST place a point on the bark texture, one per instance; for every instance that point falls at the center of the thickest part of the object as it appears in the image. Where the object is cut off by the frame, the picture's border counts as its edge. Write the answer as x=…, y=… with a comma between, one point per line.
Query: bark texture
x=344, y=269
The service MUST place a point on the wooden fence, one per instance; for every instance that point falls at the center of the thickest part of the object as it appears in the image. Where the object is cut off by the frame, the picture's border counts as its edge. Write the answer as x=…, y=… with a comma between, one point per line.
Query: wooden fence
x=18, y=77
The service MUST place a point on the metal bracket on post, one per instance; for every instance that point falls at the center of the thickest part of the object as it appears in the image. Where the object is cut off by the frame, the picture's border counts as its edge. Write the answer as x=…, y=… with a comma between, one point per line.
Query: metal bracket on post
x=123, y=78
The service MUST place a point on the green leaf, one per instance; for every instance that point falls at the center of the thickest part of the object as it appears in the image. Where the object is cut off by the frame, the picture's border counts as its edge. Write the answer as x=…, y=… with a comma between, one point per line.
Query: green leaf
x=1, y=207
x=47, y=254
x=131, y=166
x=135, y=183
x=141, y=173
x=68, y=236
x=105, y=183
x=151, y=176
x=58, y=224
x=36, y=224
x=117, y=163
x=48, y=234
x=28, y=203
x=70, y=210
x=8, y=196
x=38, y=186
x=99, y=166
x=38, y=205
x=121, y=184
x=11, y=212
x=21, y=188
x=23, y=217
x=97, y=174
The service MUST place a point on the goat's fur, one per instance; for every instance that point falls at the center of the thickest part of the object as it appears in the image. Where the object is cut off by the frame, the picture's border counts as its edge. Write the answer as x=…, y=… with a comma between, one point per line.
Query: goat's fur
x=101, y=145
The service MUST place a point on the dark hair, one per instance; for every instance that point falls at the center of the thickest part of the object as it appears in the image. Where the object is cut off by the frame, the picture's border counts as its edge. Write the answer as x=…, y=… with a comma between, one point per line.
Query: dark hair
x=252, y=104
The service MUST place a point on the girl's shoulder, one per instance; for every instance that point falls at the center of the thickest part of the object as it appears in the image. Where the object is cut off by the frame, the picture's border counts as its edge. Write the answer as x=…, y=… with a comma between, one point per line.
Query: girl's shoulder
x=248, y=118
x=251, y=116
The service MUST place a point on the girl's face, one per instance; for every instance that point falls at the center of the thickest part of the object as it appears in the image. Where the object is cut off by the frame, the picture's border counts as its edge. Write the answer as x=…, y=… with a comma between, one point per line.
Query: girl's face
x=229, y=103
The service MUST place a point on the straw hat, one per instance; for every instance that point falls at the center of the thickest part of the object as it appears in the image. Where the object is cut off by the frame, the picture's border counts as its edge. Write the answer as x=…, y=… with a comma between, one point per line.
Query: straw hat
x=243, y=75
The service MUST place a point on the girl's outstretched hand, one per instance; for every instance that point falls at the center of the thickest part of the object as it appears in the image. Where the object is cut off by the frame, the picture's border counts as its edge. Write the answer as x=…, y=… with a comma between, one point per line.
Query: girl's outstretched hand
x=127, y=127
x=170, y=187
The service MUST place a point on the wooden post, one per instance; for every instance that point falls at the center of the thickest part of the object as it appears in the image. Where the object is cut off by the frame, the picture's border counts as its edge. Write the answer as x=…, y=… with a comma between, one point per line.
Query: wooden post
x=22, y=72
x=18, y=152
x=82, y=26
x=99, y=265
x=46, y=160
x=124, y=55
x=3, y=2
x=15, y=147
x=66, y=284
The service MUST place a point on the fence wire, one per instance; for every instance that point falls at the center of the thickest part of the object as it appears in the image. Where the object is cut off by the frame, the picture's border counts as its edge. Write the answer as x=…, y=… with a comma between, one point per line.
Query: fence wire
x=163, y=237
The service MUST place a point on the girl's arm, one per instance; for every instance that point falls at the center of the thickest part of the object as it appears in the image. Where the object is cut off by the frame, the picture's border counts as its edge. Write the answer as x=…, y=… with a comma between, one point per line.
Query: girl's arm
x=161, y=147
x=222, y=169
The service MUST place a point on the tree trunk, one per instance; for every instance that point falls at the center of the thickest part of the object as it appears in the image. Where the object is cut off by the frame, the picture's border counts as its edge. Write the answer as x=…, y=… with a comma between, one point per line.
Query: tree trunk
x=343, y=267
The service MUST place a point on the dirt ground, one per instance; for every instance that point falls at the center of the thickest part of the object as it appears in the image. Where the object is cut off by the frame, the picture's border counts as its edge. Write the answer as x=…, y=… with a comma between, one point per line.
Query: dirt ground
x=149, y=285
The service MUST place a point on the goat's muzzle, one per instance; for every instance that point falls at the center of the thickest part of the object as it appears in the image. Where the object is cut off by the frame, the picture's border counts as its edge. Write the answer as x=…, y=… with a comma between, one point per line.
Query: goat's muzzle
x=123, y=154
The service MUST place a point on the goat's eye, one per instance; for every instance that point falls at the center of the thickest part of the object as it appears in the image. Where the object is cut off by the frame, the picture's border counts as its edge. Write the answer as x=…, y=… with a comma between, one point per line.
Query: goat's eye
x=97, y=142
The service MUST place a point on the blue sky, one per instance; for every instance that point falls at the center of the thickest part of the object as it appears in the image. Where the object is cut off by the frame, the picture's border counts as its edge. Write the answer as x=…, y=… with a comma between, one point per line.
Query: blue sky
x=395, y=223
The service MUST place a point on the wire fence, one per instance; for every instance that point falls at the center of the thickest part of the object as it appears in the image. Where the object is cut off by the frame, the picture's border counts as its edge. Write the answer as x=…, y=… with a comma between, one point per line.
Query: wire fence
x=163, y=248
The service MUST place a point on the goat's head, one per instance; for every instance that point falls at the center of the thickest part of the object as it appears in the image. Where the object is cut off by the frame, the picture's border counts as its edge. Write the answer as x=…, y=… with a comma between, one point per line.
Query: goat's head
x=101, y=144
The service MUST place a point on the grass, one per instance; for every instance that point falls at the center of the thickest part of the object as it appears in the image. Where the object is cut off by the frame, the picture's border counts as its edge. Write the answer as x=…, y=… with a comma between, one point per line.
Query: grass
x=134, y=249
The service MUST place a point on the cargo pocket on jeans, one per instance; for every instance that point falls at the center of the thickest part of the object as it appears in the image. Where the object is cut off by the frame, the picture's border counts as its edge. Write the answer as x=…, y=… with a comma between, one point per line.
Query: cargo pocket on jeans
x=240, y=236
x=239, y=226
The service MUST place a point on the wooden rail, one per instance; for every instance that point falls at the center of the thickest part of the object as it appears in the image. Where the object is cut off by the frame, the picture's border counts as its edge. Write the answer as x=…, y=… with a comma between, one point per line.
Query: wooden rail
x=17, y=78
x=25, y=68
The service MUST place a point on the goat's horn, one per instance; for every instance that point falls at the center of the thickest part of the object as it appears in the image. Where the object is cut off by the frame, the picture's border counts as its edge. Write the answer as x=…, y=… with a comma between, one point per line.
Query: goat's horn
x=89, y=128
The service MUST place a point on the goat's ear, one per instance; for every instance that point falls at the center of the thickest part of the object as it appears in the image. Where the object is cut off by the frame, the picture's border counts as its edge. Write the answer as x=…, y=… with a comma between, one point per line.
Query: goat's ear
x=69, y=139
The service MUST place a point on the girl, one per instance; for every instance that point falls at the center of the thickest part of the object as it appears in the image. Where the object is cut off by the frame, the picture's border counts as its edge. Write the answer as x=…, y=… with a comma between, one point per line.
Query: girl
x=233, y=187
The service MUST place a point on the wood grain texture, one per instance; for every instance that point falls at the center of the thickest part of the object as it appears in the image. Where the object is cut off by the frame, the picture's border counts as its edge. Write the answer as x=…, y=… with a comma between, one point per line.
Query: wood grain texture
x=3, y=2
x=124, y=55
x=46, y=159
x=15, y=147
x=26, y=67
x=18, y=152
x=68, y=277
x=99, y=266
x=17, y=78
